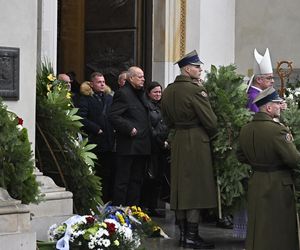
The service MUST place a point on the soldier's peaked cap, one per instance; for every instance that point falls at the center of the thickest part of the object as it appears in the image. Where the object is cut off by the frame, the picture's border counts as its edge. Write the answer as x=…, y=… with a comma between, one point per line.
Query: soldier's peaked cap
x=190, y=58
x=267, y=95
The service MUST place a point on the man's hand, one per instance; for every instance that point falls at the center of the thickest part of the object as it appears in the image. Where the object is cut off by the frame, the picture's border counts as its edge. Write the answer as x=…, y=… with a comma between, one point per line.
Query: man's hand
x=133, y=132
x=283, y=105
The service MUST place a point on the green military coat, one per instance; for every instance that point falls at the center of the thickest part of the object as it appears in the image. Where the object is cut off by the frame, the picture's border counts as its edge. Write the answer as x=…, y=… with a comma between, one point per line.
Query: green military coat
x=267, y=145
x=186, y=109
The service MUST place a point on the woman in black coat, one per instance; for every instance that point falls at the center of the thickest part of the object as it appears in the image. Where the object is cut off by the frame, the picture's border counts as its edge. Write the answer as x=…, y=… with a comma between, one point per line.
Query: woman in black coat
x=157, y=164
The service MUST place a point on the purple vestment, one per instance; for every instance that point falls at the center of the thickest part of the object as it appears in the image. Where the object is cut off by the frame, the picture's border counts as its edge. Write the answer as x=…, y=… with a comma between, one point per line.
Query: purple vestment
x=252, y=94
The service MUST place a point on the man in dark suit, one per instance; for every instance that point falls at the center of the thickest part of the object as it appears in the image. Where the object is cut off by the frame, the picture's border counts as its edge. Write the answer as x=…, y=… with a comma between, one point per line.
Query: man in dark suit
x=129, y=116
x=267, y=145
x=94, y=105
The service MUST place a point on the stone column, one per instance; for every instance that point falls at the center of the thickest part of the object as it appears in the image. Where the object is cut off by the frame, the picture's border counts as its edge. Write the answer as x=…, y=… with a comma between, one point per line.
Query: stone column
x=56, y=206
x=167, y=41
x=15, y=230
x=47, y=32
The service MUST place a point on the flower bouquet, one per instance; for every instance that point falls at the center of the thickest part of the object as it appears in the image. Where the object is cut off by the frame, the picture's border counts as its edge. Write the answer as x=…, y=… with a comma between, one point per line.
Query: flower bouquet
x=140, y=221
x=112, y=228
x=89, y=232
x=146, y=225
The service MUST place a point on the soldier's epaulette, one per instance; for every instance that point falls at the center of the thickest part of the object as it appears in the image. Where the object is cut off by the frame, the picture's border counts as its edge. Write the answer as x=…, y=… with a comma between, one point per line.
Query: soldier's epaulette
x=288, y=135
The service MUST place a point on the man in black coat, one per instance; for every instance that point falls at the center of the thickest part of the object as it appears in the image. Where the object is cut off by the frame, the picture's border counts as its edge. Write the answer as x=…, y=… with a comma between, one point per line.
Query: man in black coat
x=94, y=105
x=129, y=117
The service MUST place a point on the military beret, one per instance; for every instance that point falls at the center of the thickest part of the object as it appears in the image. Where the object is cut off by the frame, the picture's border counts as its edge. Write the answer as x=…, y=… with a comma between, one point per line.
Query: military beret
x=190, y=58
x=268, y=95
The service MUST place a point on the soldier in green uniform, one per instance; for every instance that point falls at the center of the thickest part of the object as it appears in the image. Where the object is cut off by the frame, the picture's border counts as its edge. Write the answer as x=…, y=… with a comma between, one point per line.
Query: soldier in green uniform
x=268, y=147
x=187, y=111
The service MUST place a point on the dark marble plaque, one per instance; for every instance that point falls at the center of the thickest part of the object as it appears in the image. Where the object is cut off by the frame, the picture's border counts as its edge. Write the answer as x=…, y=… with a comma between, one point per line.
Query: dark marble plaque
x=9, y=73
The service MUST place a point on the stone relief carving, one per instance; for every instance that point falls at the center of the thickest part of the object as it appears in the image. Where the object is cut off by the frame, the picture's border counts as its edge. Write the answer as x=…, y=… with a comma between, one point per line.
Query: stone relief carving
x=9, y=73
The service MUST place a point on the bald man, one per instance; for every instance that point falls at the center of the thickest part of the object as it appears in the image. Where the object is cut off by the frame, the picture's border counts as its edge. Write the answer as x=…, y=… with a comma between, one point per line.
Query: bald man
x=129, y=117
x=66, y=79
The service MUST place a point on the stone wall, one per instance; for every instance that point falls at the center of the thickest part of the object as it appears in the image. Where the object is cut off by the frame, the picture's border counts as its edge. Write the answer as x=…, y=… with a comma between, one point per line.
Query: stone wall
x=18, y=27
x=271, y=23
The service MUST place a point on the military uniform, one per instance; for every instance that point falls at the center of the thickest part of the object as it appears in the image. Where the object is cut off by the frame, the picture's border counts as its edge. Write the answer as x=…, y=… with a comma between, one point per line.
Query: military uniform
x=268, y=147
x=187, y=112
x=186, y=109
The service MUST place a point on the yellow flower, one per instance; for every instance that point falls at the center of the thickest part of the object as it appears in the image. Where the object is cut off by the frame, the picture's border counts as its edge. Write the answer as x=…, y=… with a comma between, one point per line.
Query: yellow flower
x=103, y=225
x=49, y=86
x=117, y=243
x=146, y=217
x=68, y=96
x=120, y=217
x=51, y=77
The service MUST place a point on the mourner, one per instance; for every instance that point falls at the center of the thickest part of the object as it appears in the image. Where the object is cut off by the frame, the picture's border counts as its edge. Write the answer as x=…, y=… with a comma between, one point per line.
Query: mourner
x=130, y=118
x=268, y=147
x=94, y=105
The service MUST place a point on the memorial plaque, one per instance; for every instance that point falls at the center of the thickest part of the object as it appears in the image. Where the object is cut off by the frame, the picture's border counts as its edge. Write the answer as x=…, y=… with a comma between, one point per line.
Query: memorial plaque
x=9, y=73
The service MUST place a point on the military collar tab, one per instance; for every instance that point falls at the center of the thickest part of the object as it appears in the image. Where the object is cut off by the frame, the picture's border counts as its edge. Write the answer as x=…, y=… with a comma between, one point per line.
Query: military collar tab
x=262, y=116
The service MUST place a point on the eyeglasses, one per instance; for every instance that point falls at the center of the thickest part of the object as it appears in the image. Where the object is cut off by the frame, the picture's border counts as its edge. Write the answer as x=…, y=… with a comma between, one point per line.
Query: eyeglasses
x=139, y=76
x=269, y=78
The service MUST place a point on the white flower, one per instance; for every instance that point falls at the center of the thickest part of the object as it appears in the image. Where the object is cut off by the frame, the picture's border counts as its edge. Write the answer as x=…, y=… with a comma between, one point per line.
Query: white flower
x=101, y=232
x=51, y=232
x=19, y=127
x=91, y=245
x=106, y=242
x=126, y=231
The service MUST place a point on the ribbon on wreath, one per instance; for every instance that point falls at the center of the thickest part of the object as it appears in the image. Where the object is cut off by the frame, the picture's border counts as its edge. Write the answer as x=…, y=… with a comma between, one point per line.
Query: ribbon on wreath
x=63, y=243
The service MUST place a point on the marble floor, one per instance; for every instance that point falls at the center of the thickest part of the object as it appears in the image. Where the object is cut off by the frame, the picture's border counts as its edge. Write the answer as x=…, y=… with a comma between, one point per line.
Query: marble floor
x=221, y=237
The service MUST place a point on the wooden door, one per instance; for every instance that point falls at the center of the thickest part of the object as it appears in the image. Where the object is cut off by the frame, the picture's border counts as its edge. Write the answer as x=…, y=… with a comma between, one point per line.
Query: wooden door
x=70, y=46
x=115, y=35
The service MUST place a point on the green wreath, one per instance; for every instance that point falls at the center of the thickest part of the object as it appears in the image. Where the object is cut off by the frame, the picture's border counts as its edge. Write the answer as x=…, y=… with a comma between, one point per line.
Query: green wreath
x=228, y=98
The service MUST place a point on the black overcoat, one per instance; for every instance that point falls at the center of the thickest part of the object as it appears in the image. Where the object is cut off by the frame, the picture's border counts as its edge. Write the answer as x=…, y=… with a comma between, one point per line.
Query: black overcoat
x=129, y=110
x=94, y=108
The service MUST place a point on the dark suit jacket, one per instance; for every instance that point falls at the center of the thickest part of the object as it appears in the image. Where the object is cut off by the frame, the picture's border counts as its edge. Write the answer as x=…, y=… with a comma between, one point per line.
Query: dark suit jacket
x=129, y=110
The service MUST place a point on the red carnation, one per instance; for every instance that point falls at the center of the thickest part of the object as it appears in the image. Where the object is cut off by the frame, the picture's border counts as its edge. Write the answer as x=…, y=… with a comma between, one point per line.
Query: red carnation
x=90, y=219
x=20, y=121
x=111, y=228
